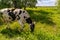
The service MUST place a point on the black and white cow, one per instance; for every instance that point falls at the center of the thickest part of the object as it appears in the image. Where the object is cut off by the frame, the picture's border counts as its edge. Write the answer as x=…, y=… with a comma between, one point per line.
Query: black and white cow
x=22, y=16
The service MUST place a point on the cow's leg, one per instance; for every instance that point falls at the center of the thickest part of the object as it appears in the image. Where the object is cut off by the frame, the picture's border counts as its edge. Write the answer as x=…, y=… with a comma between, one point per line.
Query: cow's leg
x=5, y=20
x=8, y=24
x=29, y=21
x=22, y=24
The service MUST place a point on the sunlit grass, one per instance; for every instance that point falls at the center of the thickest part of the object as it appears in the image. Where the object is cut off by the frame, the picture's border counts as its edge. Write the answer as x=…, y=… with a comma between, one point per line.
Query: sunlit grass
x=47, y=26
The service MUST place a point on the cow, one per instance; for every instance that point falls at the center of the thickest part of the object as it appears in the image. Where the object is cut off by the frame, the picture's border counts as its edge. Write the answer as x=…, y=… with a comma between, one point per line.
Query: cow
x=20, y=15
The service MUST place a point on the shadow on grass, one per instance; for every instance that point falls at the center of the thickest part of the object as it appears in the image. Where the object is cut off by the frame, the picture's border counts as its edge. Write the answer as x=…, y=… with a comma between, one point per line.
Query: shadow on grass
x=14, y=32
x=9, y=32
x=41, y=16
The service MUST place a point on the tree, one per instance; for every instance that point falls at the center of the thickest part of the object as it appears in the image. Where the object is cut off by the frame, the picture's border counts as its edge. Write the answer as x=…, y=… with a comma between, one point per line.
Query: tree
x=24, y=3
x=19, y=3
x=29, y=3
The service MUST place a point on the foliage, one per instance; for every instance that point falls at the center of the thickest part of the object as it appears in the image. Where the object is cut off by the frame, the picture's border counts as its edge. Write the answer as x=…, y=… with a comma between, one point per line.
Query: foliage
x=18, y=3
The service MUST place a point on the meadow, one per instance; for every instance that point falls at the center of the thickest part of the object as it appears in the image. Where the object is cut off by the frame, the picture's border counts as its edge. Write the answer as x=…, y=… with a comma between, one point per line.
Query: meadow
x=47, y=26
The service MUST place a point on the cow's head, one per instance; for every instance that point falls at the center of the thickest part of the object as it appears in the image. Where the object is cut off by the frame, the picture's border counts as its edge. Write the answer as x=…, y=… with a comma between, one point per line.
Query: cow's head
x=32, y=25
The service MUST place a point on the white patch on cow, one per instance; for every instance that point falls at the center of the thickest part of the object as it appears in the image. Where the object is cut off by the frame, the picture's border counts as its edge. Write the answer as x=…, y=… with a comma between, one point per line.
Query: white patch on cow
x=22, y=20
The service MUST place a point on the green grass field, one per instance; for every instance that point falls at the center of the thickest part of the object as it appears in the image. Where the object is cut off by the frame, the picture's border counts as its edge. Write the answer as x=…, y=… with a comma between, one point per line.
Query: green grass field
x=47, y=26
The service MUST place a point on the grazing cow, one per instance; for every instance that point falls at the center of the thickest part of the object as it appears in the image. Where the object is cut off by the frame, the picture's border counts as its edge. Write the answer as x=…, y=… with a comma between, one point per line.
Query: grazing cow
x=22, y=16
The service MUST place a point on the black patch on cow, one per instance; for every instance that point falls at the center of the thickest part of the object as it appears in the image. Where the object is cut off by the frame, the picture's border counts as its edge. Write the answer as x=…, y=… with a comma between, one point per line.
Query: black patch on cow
x=9, y=18
x=28, y=20
x=12, y=15
x=24, y=16
x=23, y=11
x=8, y=10
x=20, y=12
x=18, y=17
x=12, y=10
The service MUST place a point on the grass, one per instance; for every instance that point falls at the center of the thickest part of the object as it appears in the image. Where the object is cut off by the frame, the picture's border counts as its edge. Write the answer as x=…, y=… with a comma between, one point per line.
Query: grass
x=47, y=26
